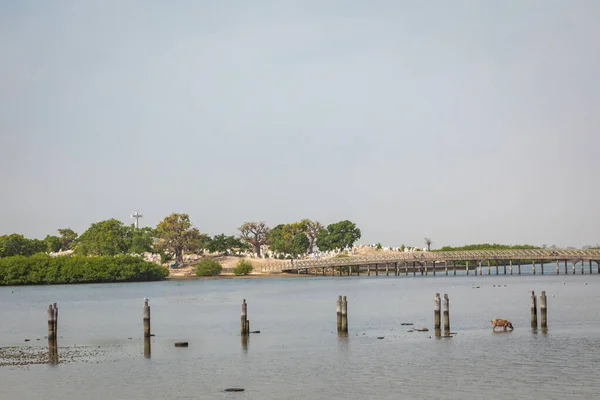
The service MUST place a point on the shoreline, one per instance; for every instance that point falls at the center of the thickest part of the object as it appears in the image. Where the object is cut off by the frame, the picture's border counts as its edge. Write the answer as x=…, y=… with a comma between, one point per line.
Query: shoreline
x=227, y=276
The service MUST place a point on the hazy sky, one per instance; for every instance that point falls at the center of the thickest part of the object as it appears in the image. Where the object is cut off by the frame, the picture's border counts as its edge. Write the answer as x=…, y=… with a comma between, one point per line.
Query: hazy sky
x=463, y=121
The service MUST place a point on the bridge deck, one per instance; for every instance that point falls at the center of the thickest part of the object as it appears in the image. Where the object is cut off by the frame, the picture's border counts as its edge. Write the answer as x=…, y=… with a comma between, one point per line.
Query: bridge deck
x=436, y=256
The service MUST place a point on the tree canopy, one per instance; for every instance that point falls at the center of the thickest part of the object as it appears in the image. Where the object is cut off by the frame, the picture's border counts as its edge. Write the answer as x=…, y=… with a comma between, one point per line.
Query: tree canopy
x=18, y=245
x=256, y=234
x=338, y=236
x=176, y=234
x=104, y=238
x=221, y=243
x=68, y=238
x=289, y=239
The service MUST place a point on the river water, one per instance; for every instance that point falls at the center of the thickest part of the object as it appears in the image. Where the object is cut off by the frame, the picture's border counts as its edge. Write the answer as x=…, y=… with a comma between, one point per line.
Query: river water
x=298, y=354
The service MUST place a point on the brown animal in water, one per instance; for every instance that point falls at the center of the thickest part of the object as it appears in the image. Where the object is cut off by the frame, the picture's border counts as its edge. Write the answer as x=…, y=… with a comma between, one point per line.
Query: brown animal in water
x=502, y=323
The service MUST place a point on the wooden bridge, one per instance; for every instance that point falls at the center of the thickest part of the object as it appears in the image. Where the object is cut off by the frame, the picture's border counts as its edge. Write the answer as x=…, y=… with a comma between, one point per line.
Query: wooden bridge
x=424, y=262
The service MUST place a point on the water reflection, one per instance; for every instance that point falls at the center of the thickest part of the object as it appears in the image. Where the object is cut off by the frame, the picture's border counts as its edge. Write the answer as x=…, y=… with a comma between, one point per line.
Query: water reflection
x=147, y=347
x=52, y=351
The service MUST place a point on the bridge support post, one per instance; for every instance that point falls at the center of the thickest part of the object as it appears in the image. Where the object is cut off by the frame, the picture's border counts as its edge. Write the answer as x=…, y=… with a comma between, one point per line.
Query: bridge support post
x=436, y=312
x=533, y=266
x=414, y=269
x=406, y=268
x=488, y=267
x=519, y=267
x=396, y=272
x=368, y=269
x=566, y=268
x=496, y=262
x=590, y=265
x=504, y=265
x=446, y=267
x=542, y=266
x=510, y=266
x=433, y=267
x=478, y=269
x=533, y=310
x=574, y=262
x=557, y=269
x=358, y=270
x=582, y=266
x=446, y=315
x=387, y=269
x=376, y=269
x=543, y=310
x=454, y=267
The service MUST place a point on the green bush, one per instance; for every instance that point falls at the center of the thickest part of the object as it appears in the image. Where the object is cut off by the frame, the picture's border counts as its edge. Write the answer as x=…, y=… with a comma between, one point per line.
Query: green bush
x=243, y=267
x=208, y=267
x=40, y=269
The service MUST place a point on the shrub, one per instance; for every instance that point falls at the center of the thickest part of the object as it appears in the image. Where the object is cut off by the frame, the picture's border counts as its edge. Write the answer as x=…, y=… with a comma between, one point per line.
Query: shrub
x=243, y=267
x=208, y=267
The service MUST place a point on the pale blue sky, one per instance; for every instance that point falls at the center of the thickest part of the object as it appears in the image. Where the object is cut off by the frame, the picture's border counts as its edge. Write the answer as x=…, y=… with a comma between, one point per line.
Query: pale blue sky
x=463, y=121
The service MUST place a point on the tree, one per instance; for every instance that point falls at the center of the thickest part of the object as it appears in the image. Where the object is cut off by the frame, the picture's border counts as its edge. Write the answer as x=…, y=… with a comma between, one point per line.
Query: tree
x=208, y=267
x=140, y=239
x=104, y=238
x=288, y=239
x=243, y=267
x=221, y=243
x=428, y=243
x=312, y=230
x=53, y=243
x=256, y=234
x=176, y=234
x=338, y=236
x=18, y=245
x=67, y=238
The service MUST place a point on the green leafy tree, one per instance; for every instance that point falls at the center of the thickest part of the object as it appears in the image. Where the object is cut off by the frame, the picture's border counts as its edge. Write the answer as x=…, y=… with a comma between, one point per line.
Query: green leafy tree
x=176, y=234
x=208, y=267
x=221, y=243
x=289, y=239
x=255, y=234
x=18, y=245
x=243, y=267
x=53, y=243
x=338, y=236
x=104, y=238
x=141, y=239
x=68, y=238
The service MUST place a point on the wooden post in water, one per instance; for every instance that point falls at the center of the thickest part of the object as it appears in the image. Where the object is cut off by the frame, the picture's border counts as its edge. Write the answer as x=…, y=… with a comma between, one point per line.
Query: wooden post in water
x=542, y=266
x=406, y=268
x=146, y=318
x=510, y=266
x=533, y=310
x=478, y=269
x=376, y=269
x=51, y=334
x=147, y=347
x=244, y=323
x=446, y=267
x=533, y=266
x=496, y=262
x=467, y=267
x=433, y=267
x=504, y=266
x=387, y=269
x=574, y=262
x=519, y=267
x=590, y=266
x=338, y=310
x=557, y=269
x=446, y=306
x=436, y=312
x=414, y=269
x=543, y=310
x=52, y=351
x=55, y=321
x=454, y=267
x=368, y=269
x=344, y=315
x=566, y=269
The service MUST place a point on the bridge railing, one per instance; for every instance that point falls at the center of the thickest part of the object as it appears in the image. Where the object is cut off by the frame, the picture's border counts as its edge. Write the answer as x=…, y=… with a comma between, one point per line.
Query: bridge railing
x=438, y=256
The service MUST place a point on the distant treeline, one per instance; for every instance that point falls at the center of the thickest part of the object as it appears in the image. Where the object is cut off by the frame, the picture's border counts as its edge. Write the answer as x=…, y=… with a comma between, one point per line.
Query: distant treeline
x=488, y=246
x=40, y=269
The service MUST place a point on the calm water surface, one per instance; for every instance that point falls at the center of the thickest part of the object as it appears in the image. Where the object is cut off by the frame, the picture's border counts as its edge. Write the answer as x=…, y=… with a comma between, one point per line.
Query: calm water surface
x=298, y=354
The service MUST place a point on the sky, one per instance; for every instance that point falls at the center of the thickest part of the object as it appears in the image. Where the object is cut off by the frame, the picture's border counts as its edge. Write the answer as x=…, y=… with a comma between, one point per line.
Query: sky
x=461, y=121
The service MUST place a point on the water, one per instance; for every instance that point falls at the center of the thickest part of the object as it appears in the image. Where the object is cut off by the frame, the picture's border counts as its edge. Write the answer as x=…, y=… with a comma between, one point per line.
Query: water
x=298, y=354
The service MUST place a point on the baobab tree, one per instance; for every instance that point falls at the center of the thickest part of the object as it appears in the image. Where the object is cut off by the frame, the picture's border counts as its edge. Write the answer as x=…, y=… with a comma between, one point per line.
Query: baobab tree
x=256, y=234
x=312, y=229
x=428, y=243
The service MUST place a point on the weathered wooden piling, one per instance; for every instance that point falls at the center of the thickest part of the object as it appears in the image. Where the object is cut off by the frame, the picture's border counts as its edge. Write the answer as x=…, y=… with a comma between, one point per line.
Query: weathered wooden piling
x=244, y=323
x=510, y=266
x=52, y=351
x=344, y=315
x=51, y=326
x=543, y=310
x=436, y=312
x=338, y=310
x=519, y=267
x=557, y=269
x=387, y=269
x=533, y=310
x=467, y=267
x=446, y=267
x=146, y=318
x=533, y=266
x=55, y=320
x=446, y=306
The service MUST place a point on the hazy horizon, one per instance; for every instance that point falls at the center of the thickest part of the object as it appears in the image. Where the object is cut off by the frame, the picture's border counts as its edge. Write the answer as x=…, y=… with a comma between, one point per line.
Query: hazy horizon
x=465, y=122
